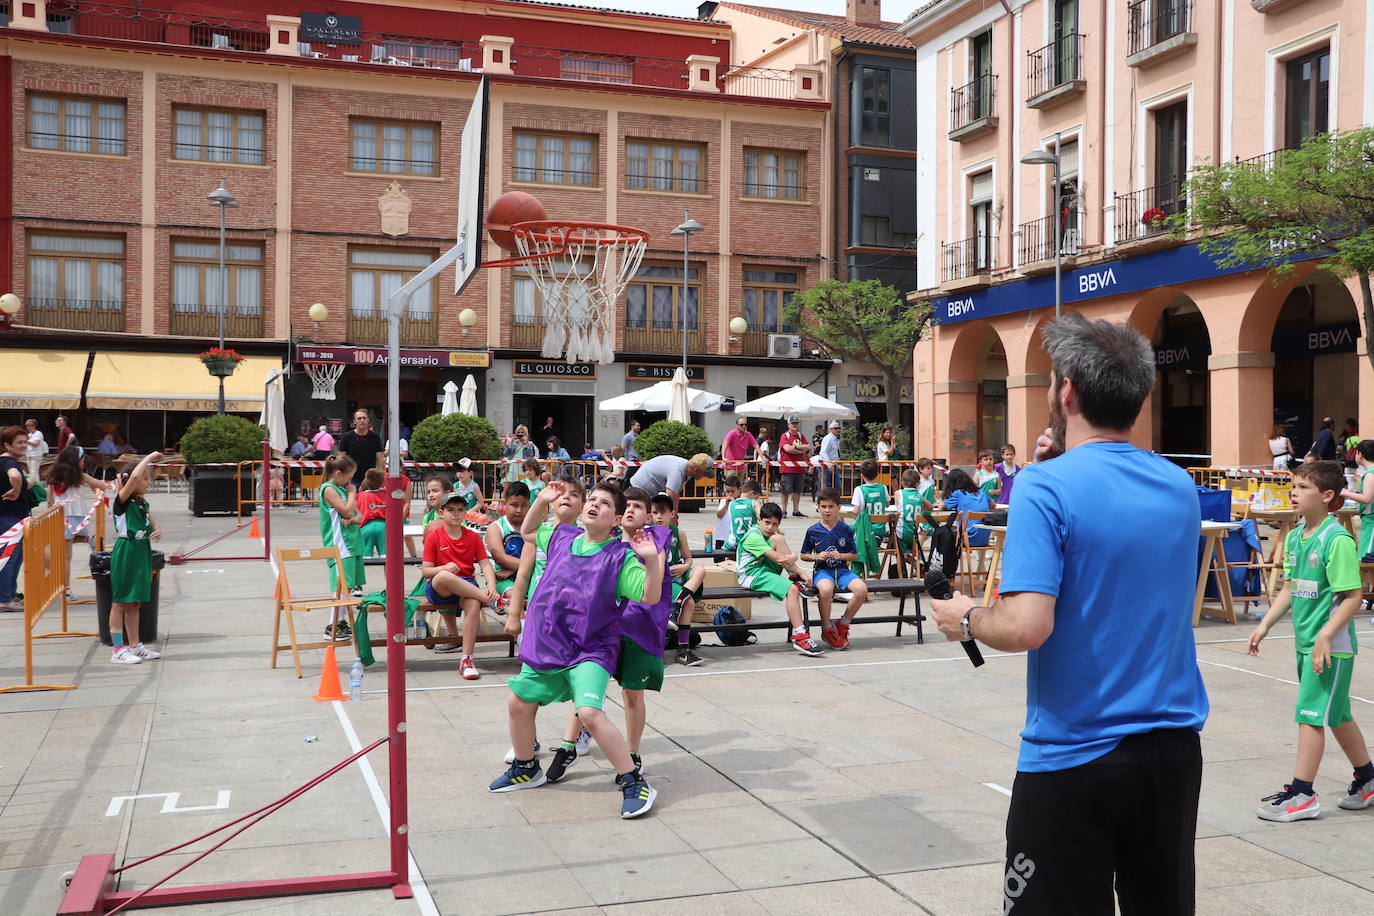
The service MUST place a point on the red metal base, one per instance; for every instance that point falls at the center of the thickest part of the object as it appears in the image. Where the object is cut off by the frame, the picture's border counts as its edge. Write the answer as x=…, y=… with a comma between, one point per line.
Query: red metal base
x=92, y=890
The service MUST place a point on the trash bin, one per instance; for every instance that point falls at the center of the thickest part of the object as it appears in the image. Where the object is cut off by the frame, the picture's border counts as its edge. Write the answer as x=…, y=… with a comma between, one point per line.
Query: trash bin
x=104, y=592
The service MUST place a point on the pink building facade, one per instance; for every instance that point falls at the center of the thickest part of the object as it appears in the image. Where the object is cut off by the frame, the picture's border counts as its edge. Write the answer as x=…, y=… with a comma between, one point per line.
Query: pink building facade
x=1134, y=94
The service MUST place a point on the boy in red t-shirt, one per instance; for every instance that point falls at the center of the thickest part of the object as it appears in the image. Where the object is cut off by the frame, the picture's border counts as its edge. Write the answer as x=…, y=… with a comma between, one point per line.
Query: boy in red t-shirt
x=451, y=554
x=372, y=513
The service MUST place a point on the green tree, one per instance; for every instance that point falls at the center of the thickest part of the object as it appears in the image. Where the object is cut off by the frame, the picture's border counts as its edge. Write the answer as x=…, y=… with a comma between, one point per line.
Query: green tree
x=669, y=438
x=222, y=438
x=1313, y=201
x=454, y=437
x=863, y=320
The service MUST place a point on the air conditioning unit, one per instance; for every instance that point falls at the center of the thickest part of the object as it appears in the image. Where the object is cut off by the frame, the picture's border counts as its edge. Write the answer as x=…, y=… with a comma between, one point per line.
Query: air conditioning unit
x=784, y=346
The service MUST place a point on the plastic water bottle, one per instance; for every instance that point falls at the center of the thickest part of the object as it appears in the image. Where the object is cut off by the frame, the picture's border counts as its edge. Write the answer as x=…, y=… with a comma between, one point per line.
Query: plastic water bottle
x=709, y=541
x=355, y=681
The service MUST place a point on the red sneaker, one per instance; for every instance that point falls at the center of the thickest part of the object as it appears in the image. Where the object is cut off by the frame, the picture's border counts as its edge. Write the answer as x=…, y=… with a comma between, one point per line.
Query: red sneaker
x=843, y=629
x=832, y=637
x=803, y=644
x=467, y=669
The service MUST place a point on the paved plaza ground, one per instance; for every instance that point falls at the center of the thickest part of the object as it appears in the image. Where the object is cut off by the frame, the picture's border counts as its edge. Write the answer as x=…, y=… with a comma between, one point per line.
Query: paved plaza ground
x=873, y=780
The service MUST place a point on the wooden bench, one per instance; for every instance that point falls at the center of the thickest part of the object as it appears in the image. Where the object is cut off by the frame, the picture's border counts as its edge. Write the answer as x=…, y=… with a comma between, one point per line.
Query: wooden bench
x=425, y=607
x=381, y=561
x=902, y=589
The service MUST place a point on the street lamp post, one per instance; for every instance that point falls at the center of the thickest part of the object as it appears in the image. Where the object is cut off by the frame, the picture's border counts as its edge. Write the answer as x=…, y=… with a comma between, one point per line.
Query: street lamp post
x=688, y=228
x=1040, y=157
x=220, y=197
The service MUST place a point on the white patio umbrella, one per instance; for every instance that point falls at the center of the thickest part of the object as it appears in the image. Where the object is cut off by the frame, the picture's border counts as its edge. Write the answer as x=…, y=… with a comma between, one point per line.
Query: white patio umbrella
x=803, y=402
x=679, y=411
x=468, y=403
x=657, y=398
x=273, y=417
x=450, y=398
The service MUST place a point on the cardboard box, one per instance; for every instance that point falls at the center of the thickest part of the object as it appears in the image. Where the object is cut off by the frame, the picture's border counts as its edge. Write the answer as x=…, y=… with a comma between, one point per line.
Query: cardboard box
x=722, y=575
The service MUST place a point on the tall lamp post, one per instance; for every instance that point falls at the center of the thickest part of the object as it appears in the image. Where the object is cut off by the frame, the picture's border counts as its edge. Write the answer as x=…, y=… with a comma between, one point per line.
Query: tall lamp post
x=220, y=197
x=1041, y=157
x=688, y=228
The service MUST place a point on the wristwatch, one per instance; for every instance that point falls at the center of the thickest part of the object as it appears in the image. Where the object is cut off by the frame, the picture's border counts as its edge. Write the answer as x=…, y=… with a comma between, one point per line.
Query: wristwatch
x=965, y=633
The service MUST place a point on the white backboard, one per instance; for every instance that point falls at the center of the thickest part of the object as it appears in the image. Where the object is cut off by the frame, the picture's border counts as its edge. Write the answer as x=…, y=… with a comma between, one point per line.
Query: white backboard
x=472, y=185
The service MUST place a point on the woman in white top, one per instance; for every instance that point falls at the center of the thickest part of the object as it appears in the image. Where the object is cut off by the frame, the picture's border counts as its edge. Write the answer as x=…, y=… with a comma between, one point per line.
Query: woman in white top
x=38, y=447
x=886, y=445
x=1281, y=448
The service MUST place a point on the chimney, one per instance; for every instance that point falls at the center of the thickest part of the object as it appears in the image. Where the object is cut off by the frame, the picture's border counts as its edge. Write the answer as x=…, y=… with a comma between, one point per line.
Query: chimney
x=863, y=12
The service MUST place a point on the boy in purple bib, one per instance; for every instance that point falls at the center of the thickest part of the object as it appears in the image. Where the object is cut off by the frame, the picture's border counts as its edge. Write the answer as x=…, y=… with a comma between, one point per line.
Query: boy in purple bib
x=572, y=630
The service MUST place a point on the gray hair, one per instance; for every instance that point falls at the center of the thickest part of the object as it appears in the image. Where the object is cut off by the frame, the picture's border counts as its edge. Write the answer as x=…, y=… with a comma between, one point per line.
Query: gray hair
x=1112, y=366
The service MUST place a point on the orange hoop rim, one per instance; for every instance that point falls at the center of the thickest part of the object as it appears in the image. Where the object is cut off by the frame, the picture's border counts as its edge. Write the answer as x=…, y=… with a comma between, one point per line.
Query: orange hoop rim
x=539, y=229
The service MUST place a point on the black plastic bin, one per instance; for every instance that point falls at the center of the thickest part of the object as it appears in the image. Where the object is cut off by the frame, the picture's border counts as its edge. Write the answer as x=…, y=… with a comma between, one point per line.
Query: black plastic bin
x=147, y=614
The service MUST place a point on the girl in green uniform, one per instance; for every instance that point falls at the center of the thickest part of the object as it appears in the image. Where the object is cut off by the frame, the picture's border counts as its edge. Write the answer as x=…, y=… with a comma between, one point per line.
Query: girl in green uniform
x=467, y=488
x=131, y=563
x=339, y=523
x=1364, y=463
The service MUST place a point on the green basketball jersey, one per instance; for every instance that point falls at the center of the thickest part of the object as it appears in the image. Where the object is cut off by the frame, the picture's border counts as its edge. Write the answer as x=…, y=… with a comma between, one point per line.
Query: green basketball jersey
x=1318, y=569
x=1369, y=509
x=333, y=532
x=535, y=486
x=469, y=493
x=741, y=518
x=909, y=502
x=749, y=559
x=132, y=521
x=988, y=481
x=874, y=498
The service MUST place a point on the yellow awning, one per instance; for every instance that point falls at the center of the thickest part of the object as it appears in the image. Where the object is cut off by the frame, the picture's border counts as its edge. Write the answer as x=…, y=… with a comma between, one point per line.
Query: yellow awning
x=42, y=379
x=174, y=381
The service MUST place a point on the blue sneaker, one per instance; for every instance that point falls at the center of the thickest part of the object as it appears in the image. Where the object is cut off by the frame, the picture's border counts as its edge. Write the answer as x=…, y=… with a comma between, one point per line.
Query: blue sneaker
x=638, y=795
x=519, y=777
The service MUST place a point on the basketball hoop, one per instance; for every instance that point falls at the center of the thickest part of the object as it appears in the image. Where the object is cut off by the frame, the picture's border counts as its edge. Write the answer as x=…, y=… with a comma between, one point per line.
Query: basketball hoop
x=323, y=378
x=581, y=269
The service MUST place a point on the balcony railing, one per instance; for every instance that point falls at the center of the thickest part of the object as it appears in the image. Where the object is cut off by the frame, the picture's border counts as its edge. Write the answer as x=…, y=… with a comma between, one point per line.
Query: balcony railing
x=203, y=321
x=1035, y=240
x=1153, y=22
x=415, y=332
x=132, y=22
x=967, y=258
x=1141, y=214
x=973, y=102
x=663, y=340
x=76, y=314
x=1054, y=65
x=527, y=335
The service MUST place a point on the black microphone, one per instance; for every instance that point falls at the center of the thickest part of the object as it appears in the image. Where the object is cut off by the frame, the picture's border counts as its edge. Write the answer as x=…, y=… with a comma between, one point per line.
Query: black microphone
x=937, y=587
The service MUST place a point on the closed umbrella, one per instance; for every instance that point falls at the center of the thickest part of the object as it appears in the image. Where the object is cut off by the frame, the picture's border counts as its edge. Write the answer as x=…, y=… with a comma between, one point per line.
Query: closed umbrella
x=679, y=411
x=450, y=398
x=273, y=417
x=468, y=403
x=803, y=402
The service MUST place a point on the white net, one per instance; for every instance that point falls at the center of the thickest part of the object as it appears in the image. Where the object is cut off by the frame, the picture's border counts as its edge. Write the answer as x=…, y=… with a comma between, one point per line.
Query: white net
x=323, y=378
x=581, y=284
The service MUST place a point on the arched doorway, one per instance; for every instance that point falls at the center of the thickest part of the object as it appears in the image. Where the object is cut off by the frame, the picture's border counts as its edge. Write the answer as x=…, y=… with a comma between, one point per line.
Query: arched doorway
x=1181, y=417
x=991, y=373
x=1316, y=368
x=972, y=410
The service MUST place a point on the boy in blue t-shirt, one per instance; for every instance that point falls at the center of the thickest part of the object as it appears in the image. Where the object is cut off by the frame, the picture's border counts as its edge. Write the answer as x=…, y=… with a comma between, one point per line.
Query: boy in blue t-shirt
x=829, y=544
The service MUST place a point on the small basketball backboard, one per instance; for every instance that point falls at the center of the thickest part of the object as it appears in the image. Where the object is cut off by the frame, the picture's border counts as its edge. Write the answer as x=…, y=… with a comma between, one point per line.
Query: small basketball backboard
x=472, y=186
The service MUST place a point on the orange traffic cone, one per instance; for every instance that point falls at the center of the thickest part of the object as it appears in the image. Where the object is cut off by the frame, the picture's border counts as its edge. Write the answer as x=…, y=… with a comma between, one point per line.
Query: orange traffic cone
x=253, y=530
x=330, y=688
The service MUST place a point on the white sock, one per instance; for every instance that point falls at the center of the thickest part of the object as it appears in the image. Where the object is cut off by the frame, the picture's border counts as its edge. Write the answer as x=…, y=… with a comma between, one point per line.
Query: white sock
x=799, y=629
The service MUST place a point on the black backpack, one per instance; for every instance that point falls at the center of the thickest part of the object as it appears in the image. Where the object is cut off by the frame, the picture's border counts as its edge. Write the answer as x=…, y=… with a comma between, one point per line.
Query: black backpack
x=728, y=615
x=944, y=546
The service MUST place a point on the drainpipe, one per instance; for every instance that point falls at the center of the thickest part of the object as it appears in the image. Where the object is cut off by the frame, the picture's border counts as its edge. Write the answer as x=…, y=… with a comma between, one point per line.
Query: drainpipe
x=837, y=244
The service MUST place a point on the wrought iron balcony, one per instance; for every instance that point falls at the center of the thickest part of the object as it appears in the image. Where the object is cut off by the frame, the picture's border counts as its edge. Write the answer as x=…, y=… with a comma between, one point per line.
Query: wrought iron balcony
x=1144, y=213
x=972, y=107
x=967, y=258
x=1054, y=72
x=75, y=314
x=1158, y=29
x=203, y=321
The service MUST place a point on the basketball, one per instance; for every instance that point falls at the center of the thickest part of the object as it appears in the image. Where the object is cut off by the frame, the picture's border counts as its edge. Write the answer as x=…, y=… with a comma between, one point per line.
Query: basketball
x=509, y=209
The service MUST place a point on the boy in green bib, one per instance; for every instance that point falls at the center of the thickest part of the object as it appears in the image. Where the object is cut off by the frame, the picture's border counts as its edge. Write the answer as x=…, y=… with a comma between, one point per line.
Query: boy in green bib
x=505, y=544
x=742, y=513
x=762, y=556
x=912, y=501
x=131, y=564
x=1322, y=590
x=987, y=478
x=870, y=497
x=1364, y=464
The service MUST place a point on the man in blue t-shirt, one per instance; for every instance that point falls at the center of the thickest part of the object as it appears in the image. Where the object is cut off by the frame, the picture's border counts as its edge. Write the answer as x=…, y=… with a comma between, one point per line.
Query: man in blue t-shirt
x=1107, y=782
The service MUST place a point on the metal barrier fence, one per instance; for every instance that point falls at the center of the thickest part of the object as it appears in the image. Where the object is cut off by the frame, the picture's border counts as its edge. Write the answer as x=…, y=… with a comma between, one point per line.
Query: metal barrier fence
x=45, y=581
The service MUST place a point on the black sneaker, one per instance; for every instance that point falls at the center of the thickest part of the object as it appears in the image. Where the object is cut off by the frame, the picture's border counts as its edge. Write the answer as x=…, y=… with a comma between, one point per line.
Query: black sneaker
x=685, y=656
x=563, y=758
x=799, y=515
x=341, y=630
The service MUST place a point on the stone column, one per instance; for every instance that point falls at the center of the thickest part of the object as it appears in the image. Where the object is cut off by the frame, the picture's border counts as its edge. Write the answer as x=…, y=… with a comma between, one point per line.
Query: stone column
x=496, y=53
x=1242, y=407
x=1028, y=413
x=956, y=417
x=701, y=73
x=283, y=34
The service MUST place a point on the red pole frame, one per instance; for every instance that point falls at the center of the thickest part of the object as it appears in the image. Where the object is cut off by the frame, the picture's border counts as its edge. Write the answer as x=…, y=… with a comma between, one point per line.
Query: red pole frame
x=398, y=499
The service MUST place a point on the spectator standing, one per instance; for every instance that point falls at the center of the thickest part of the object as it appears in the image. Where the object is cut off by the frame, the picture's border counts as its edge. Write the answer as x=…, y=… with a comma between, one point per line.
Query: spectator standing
x=885, y=449
x=1006, y=473
x=65, y=436
x=363, y=445
x=627, y=442
x=1281, y=447
x=323, y=442
x=1110, y=767
x=738, y=447
x=550, y=431
x=14, y=506
x=1324, y=446
x=37, y=447
x=829, y=451
x=793, y=451
x=518, y=452
x=817, y=436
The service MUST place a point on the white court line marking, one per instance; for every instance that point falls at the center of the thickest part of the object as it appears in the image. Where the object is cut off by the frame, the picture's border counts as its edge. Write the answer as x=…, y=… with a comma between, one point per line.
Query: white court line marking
x=1270, y=677
x=374, y=788
x=996, y=788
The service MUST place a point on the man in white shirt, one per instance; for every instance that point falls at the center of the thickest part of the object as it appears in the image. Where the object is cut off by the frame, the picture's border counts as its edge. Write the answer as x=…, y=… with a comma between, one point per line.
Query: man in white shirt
x=830, y=452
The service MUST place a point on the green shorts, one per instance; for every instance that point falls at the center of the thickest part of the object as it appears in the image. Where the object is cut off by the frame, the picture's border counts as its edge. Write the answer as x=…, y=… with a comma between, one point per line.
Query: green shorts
x=504, y=585
x=638, y=670
x=775, y=584
x=1366, y=535
x=131, y=571
x=1324, y=699
x=584, y=684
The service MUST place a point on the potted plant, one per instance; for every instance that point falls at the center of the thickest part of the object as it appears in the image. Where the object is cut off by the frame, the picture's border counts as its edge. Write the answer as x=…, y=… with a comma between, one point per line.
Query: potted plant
x=453, y=438
x=213, y=446
x=667, y=437
x=221, y=363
